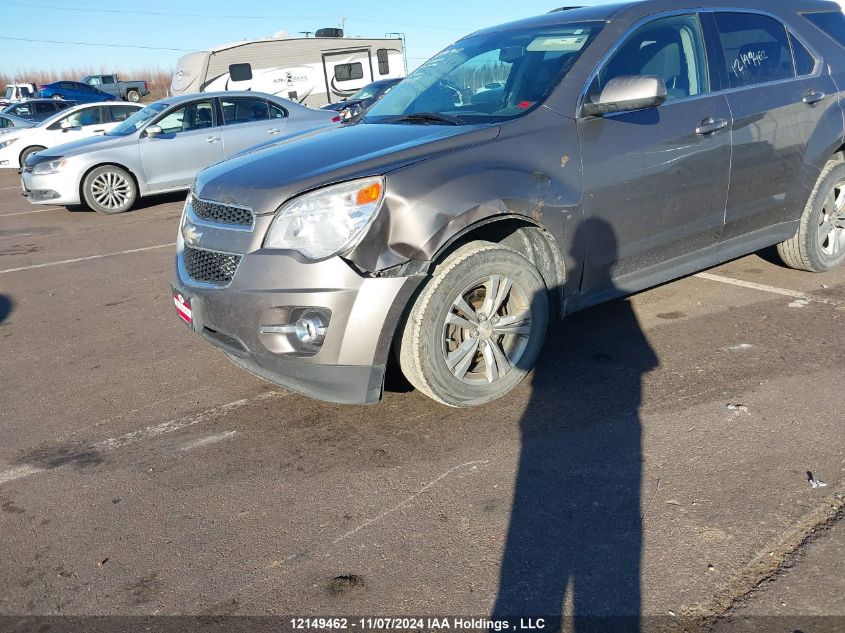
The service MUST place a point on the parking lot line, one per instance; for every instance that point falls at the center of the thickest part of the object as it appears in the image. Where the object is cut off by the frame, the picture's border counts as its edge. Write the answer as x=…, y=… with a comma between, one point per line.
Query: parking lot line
x=794, y=294
x=9, y=215
x=85, y=259
x=18, y=472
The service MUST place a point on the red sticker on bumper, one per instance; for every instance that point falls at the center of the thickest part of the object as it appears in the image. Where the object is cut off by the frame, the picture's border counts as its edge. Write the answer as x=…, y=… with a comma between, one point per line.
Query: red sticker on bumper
x=183, y=307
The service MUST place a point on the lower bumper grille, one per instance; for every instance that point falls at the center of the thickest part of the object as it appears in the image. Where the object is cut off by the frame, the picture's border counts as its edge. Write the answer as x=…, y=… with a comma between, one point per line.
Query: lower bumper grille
x=210, y=267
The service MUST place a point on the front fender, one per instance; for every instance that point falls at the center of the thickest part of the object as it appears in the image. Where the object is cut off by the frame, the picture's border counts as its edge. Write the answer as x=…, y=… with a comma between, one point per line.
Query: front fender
x=532, y=170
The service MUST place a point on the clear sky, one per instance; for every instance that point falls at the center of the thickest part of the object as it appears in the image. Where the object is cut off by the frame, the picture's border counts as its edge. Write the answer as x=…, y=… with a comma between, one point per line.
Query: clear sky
x=191, y=25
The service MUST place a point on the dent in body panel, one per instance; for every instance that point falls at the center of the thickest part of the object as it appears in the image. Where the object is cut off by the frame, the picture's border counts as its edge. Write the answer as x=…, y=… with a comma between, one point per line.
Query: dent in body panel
x=520, y=174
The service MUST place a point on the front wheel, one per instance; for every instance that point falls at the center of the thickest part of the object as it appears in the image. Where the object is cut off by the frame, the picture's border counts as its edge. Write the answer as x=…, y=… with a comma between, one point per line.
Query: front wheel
x=109, y=189
x=477, y=328
x=819, y=244
x=134, y=96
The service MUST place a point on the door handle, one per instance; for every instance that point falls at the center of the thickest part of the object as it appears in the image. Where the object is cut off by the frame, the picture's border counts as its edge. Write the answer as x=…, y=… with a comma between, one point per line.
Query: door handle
x=273, y=131
x=212, y=139
x=711, y=126
x=812, y=97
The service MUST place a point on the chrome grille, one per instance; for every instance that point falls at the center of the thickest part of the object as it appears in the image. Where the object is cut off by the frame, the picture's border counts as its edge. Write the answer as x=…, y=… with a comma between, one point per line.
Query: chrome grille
x=210, y=267
x=223, y=213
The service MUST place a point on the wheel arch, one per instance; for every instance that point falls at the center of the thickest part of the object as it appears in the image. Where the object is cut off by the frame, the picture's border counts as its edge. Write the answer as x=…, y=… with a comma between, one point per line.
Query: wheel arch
x=24, y=150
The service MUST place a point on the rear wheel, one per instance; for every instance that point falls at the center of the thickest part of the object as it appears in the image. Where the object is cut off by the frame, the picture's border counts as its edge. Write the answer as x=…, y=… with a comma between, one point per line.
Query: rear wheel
x=134, y=96
x=109, y=189
x=29, y=151
x=477, y=328
x=819, y=244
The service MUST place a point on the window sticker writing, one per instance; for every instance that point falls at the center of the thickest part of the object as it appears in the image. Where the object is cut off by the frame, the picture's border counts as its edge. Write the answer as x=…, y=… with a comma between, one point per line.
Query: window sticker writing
x=749, y=61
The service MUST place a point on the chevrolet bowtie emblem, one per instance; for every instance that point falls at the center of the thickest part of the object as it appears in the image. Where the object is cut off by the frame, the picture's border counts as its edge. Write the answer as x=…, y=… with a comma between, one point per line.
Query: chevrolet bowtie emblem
x=190, y=234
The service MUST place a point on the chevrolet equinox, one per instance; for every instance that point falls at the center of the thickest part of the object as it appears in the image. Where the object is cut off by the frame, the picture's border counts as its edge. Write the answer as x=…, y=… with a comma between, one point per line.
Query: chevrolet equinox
x=525, y=172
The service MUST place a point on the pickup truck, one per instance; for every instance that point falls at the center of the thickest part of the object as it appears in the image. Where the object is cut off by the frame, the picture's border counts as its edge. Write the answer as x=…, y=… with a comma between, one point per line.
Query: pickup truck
x=15, y=93
x=126, y=90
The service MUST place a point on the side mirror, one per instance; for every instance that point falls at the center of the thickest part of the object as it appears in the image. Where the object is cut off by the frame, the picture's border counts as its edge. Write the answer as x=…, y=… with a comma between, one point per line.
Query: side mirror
x=67, y=125
x=626, y=94
x=153, y=130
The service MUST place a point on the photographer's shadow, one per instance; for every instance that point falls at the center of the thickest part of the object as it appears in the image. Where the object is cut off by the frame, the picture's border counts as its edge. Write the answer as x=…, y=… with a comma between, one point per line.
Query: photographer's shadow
x=575, y=528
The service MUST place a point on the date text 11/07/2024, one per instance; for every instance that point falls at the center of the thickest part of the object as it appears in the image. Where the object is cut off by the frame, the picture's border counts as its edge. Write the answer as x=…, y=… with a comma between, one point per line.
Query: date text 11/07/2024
x=426, y=623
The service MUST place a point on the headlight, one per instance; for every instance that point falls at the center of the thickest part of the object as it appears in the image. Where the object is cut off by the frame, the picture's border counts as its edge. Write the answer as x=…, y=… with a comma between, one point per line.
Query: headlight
x=328, y=221
x=5, y=144
x=49, y=167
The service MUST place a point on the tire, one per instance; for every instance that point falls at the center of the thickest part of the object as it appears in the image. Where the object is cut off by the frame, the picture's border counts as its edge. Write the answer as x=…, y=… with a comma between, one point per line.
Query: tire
x=109, y=189
x=486, y=361
x=134, y=96
x=29, y=151
x=57, y=98
x=819, y=244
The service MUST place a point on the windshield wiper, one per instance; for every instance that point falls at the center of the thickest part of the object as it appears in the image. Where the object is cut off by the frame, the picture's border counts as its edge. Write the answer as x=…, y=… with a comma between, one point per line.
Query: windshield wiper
x=428, y=117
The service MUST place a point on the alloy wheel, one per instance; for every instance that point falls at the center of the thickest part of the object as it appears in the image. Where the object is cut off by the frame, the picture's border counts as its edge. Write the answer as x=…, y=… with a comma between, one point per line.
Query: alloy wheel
x=487, y=330
x=111, y=190
x=832, y=222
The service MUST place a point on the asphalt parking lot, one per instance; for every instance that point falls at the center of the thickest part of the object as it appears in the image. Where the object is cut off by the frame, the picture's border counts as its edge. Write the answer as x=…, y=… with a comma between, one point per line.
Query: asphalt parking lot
x=655, y=463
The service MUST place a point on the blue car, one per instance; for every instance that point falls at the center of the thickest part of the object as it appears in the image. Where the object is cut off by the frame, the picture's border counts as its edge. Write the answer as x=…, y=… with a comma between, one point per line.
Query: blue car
x=74, y=91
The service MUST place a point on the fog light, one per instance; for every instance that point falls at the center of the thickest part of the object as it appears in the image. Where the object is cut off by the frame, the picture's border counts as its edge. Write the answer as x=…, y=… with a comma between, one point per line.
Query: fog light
x=310, y=329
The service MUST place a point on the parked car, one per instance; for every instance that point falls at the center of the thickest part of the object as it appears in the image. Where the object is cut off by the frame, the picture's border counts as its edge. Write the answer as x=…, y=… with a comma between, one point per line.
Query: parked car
x=18, y=92
x=364, y=98
x=633, y=144
x=74, y=91
x=126, y=90
x=11, y=123
x=80, y=121
x=161, y=148
x=37, y=109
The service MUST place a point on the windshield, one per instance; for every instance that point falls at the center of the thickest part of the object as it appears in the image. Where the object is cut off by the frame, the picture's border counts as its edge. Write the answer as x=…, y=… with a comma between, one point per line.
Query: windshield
x=364, y=93
x=524, y=66
x=138, y=120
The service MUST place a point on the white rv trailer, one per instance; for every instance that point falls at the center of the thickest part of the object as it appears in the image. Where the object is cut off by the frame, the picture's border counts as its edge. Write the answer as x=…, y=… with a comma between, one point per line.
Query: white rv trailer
x=311, y=70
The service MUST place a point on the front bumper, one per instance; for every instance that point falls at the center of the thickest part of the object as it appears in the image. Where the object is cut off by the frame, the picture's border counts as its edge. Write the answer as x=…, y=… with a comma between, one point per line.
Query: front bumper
x=59, y=188
x=271, y=285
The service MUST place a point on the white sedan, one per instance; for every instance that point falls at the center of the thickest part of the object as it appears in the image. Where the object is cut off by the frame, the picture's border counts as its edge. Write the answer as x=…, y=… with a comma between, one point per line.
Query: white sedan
x=75, y=123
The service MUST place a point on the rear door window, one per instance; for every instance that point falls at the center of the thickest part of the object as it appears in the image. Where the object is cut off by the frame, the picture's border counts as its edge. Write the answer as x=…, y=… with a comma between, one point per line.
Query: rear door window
x=277, y=112
x=756, y=49
x=121, y=113
x=243, y=110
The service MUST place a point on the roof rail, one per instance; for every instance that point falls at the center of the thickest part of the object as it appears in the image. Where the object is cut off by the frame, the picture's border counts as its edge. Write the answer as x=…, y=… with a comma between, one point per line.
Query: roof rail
x=565, y=9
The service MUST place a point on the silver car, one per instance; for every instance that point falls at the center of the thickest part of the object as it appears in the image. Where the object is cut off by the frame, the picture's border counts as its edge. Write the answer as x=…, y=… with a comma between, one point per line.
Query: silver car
x=161, y=148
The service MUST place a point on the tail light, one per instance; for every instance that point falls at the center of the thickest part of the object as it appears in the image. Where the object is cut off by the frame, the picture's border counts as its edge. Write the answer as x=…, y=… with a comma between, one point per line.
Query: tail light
x=145, y=86
x=337, y=119
x=42, y=87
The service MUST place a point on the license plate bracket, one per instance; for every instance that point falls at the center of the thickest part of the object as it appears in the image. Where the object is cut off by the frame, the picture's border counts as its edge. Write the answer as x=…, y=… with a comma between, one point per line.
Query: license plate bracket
x=183, y=307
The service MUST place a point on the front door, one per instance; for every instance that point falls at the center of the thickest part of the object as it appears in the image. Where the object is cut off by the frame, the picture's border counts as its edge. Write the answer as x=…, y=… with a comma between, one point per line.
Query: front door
x=191, y=139
x=655, y=181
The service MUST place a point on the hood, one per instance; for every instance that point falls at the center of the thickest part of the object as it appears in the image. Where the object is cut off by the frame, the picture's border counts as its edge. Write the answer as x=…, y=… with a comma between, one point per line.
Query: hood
x=265, y=178
x=84, y=145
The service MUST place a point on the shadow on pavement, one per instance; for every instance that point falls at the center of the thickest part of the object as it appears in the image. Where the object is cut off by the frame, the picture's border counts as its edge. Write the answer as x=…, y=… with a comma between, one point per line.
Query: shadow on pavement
x=575, y=535
x=6, y=306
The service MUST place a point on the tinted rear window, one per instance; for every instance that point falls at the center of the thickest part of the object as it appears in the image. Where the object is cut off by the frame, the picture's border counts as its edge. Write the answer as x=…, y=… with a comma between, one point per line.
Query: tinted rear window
x=831, y=23
x=756, y=48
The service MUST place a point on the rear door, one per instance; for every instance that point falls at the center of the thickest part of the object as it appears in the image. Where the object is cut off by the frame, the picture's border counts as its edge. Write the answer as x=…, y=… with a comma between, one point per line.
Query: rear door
x=777, y=92
x=247, y=122
x=347, y=72
x=191, y=140
x=657, y=179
